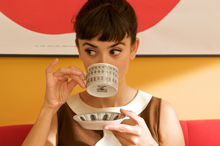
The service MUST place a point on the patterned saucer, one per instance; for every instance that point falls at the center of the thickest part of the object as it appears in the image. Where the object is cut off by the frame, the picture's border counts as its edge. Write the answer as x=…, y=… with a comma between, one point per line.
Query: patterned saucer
x=97, y=120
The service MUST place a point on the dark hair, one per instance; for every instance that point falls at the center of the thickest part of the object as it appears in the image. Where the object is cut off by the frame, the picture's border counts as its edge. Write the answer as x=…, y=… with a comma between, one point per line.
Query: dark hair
x=111, y=19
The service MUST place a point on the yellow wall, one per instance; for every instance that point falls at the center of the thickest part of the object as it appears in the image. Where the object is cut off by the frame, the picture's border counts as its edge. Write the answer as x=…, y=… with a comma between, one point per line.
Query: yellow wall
x=191, y=85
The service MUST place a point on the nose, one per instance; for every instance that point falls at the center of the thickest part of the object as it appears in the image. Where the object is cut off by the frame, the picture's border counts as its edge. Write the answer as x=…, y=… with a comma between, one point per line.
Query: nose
x=103, y=58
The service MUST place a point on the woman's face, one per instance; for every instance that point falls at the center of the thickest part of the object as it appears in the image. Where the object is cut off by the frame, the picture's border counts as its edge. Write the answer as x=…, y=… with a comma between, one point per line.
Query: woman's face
x=116, y=53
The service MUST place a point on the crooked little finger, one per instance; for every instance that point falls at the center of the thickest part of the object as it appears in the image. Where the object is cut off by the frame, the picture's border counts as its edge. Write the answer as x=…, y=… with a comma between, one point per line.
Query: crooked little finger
x=82, y=74
x=76, y=79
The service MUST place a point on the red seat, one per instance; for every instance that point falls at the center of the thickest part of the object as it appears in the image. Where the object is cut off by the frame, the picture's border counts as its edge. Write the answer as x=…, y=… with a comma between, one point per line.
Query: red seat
x=196, y=133
x=13, y=135
x=201, y=132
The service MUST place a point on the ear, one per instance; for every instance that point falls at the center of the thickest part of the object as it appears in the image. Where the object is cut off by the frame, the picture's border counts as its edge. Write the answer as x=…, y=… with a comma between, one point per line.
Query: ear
x=77, y=45
x=134, y=49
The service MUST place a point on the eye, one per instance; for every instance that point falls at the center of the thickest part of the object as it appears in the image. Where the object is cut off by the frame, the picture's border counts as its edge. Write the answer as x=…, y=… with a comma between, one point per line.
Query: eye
x=115, y=51
x=90, y=52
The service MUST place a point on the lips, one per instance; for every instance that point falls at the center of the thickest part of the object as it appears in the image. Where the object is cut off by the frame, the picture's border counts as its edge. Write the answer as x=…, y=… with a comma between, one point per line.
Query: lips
x=54, y=16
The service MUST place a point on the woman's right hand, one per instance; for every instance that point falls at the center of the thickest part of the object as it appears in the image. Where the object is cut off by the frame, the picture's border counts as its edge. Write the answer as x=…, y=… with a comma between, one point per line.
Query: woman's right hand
x=58, y=88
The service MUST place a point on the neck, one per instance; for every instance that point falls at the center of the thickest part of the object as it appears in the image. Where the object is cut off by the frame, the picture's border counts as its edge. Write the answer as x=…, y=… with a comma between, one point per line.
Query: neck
x=124, y=96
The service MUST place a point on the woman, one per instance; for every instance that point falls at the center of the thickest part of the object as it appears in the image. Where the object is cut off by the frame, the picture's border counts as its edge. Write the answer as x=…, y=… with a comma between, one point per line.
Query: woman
x=105, y=33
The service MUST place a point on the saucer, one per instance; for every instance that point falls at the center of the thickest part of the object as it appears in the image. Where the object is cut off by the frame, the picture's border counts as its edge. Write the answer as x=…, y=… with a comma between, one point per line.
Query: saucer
x=97, y=120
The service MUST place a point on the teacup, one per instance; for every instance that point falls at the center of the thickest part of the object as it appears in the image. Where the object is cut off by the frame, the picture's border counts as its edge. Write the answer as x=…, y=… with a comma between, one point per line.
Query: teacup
x=102, y=80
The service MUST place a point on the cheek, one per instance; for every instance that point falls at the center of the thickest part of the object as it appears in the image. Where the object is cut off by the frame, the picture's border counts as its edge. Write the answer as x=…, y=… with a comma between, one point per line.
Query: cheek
x=86, y=63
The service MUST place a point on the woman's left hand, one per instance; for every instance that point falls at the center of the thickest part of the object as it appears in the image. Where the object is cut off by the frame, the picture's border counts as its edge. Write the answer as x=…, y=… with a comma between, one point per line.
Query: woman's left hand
x=138, y=135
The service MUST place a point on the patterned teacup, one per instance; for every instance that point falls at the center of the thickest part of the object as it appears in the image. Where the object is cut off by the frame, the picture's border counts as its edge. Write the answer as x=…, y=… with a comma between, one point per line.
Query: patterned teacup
x=102, y=80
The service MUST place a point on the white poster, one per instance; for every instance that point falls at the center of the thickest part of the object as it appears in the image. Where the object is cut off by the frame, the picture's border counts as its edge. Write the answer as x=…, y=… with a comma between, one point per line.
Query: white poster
x=165, y=27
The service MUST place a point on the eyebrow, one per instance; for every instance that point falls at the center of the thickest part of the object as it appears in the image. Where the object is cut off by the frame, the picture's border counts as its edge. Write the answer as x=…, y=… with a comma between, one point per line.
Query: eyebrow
x=109, y=47
x=90, y=45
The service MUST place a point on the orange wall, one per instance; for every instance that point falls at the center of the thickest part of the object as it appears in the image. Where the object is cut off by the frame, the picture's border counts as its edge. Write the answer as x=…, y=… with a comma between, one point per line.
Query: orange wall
x=190, y=84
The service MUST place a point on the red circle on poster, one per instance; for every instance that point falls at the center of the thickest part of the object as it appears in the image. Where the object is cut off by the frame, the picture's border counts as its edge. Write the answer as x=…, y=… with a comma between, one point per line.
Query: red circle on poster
x=54, y=17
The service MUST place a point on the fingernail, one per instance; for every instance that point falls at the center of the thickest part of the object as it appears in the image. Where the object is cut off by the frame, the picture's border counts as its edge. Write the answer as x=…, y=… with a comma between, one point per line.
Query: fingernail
x=83, y=77
x=78, y=72
x=83, y=85
x=84, y=74
x=106, y=128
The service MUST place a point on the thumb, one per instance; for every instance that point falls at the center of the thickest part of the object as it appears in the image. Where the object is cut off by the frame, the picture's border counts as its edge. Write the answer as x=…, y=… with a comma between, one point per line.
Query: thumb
x=138, y=120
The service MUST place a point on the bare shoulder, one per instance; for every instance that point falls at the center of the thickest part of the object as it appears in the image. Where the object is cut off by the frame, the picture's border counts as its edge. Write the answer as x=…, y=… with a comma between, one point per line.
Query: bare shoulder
x=170, y=131
x=167, y=111
x=52, y=139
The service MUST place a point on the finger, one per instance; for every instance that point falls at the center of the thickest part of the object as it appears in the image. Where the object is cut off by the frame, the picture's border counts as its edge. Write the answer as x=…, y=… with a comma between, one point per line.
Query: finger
x=82, y=74
x=122, y=140
x=126, y=139
x=122, y=128
x=76, y=79
x=49, y=69
x=81, y=81
x=71, y=85
x=62, y=71
x=138, y=120
x=123, y=135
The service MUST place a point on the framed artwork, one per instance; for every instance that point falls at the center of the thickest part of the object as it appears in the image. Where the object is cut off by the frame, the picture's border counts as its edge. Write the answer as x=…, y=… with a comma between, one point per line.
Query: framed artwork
x=165, y=27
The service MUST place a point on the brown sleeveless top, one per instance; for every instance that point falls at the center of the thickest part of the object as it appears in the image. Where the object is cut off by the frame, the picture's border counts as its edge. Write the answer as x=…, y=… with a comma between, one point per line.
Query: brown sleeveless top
x=70, y=133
